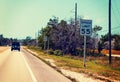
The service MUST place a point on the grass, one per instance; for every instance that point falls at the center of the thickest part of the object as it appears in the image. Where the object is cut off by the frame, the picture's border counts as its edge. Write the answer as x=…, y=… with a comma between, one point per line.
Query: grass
x=95, y=66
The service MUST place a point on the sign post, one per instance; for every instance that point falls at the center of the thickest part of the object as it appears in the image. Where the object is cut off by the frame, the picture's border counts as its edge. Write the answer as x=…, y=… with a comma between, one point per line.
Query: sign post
x=84, y=51
x=85, y=30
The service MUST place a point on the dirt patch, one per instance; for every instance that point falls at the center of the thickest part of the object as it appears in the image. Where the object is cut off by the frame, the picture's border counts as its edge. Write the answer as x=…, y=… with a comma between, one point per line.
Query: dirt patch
x=113, y=52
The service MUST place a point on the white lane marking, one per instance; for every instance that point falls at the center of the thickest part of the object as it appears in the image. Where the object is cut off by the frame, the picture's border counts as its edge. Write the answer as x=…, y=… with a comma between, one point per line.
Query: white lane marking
x=31, y=73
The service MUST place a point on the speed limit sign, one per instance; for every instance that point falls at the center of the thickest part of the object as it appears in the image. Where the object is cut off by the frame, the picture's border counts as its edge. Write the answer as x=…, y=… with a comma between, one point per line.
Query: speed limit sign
x=86, y=30
x=86, y=27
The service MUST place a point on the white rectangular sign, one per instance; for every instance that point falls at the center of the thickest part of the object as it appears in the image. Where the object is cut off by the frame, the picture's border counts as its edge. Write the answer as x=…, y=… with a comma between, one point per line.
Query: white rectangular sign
x=86, y=27
x=45, y=38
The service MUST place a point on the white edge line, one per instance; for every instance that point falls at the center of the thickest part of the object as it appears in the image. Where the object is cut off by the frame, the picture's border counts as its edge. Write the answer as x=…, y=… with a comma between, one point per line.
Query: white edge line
x=31, y=73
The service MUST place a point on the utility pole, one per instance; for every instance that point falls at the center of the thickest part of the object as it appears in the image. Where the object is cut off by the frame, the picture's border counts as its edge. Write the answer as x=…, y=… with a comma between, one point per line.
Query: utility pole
x=75, y=31
x=48, y=43
x=45, y=40
x=109, y=26
x=36, y=39
x=44, y=45
x=75, y=16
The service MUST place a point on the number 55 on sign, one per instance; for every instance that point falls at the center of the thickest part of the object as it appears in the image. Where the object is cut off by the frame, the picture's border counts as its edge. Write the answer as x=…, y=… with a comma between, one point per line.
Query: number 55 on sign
x=86, y=27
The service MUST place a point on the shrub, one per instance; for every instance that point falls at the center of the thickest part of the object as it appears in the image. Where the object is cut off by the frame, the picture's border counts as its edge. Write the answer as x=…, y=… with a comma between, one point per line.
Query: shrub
x=34, y=47
x=58, y=52
x=79, y=52
x=50, y=52
x=38, y=48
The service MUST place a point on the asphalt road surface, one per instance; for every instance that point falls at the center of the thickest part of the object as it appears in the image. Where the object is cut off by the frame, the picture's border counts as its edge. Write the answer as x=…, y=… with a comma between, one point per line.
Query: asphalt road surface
x=21, y=66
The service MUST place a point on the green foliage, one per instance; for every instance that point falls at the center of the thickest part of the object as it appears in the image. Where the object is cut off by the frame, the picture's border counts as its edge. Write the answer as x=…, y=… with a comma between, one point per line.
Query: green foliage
x=117, y=42
x=97, y=28
x=95, y=35
x=47, y=31
x=79, y=52
x=100, y=47
x=63, y=36
x=35, y=48
x=104, y=38
x=115, y=37
x=58, y=52
x=40, y=41
x=4, y=41
x=51, y=52
x=29, y=41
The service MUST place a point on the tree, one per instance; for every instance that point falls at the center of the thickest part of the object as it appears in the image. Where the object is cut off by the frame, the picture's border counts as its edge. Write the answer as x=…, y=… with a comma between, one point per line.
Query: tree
x=4, y=41
x=29, y=41
x=64, y=36
x=100, y=47
x=61, y=35
x=95, y=36
x=117, y=41
x=105, y=42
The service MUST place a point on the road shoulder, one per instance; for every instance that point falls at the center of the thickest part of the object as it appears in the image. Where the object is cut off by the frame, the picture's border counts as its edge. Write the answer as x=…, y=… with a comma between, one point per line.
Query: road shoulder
x=74, y=76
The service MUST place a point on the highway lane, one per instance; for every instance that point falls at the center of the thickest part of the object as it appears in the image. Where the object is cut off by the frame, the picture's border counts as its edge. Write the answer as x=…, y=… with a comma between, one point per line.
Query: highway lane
x=21, y=66
x=13, y=68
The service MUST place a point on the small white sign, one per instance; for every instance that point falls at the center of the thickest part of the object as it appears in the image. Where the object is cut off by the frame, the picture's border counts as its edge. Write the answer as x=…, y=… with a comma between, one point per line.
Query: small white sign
x=45, y=38
x=86, y=27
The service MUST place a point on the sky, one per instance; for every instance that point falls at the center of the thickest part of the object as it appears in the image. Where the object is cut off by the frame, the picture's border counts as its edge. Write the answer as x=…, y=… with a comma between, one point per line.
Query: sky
x=21, y=18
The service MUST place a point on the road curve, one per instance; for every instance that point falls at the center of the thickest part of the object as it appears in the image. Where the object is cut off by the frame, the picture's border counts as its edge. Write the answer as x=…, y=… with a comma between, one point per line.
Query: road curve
x=21, y=66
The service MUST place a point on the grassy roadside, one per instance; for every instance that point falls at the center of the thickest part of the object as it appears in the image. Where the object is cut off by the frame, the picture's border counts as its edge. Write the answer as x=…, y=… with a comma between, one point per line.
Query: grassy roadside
x=96, y=66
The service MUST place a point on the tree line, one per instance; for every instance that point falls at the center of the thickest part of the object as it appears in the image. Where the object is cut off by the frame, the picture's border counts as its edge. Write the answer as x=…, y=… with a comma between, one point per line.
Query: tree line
x=4, y=41
x=65, y=36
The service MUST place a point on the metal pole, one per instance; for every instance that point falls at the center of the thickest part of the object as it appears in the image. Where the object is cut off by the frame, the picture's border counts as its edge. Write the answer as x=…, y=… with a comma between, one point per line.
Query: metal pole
x=75, y=37
x=84, y=50
x=109, y=25
x=44, y=45
x=75, y=16
x=44, y=42
x=48, y=42
x=36, y=39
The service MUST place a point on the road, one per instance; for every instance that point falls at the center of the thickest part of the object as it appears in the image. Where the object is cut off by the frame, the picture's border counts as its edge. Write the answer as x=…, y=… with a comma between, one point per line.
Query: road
x=21, y=66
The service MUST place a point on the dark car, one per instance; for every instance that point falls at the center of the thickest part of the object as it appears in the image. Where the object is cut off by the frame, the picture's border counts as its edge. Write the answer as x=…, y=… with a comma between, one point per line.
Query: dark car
x=15, y=46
